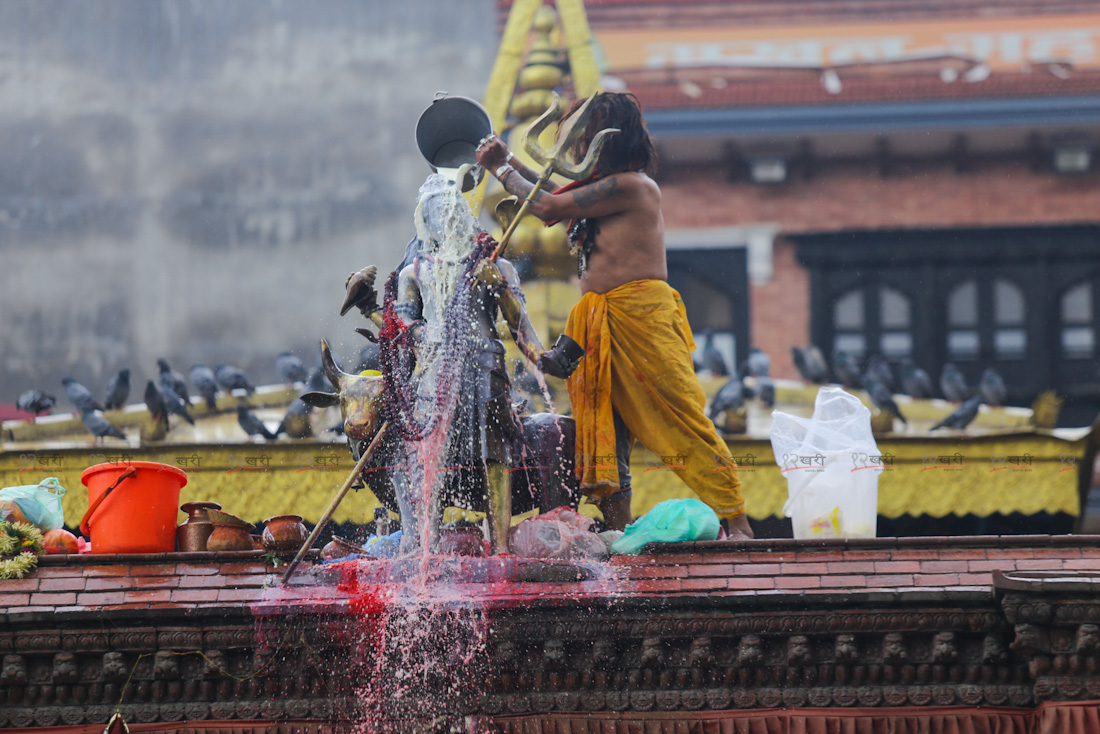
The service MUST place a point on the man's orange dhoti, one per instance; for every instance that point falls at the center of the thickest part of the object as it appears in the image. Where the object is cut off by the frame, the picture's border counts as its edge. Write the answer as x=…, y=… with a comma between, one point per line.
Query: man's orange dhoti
x=638, y=348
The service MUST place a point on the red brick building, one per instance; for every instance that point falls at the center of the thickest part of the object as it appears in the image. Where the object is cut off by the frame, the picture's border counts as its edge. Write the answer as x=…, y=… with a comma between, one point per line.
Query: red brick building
x=913, y=179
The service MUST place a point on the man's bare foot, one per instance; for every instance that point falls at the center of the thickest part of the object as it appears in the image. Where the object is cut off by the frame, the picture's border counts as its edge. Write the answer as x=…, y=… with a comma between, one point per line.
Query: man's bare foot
x=737, y=528
x=616, y=511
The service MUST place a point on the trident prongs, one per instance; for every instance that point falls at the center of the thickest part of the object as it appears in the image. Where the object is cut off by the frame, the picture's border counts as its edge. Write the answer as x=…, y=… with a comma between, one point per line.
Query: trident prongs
x=556, y=158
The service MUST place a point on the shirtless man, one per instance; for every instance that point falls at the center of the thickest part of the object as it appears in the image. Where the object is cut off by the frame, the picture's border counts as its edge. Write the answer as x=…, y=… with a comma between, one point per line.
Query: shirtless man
x=647, y=389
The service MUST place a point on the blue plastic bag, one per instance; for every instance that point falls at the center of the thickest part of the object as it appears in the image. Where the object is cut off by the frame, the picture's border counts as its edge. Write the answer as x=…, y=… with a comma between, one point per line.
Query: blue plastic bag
x=40, y=503
x=671, y=521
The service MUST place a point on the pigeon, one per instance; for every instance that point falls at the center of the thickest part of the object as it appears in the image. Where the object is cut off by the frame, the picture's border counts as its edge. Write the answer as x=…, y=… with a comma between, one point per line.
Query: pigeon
x=154, y=401
x=252, y=425
x=962, y=416
x=35, y=402
x=174, y=402
x=202, y=379
x=712, y=358
x=878, y=370
x=884, y=399
x=765, y=391
x=992, y=388
x=915, y=382
x=79, y=395
x=758, y=364
x=172, y=380
x=295, y=423
x=730, y=396
x=99, y=426
x=810, y=364
x=291, y=368
x=953, y=383
x=233, y=378
x=845, y=368
x=158, y=411
x=118, y=389
x=369, y=358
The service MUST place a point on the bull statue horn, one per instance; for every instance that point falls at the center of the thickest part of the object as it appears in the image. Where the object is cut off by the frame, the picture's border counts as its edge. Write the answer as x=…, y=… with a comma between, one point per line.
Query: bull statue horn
x=332, y=370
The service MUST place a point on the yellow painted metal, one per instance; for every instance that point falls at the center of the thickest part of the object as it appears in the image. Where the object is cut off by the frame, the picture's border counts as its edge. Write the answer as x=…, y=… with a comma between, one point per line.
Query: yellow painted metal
x=581, y=47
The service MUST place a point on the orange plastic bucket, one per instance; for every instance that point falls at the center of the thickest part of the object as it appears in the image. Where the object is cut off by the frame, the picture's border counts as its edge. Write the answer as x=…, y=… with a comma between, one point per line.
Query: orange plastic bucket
x=139, y=515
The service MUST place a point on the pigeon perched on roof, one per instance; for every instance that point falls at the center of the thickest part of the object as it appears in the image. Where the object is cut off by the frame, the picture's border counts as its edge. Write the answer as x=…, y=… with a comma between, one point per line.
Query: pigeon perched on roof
x=118, y=390
x=729, y=402
x=810, y=363
x=845, y=368
x=758, y=364
x=992, y=388
x=252, y=425
x=35, y=402
x=765, y=391
x=173, y=402
x=233, y=378
x=878, y=370
x=318, y=381
x=962, y=416
x=953, y=383
x=291, y=368
x=915, y=382
x=79, y=395
x=204, y=382
x=295, y=423
x=172, y=380
x=99, y=426
x=158, y=412
x=884, y=399
x=713, y=360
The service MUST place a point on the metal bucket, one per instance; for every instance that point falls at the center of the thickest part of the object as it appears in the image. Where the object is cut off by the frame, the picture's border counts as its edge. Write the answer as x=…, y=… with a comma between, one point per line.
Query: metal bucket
x=448, y=132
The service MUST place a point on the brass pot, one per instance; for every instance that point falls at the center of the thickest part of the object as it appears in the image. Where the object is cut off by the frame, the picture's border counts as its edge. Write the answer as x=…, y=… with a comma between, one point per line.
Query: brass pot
x=195, y=530
x=284, y=533
x=230, y=537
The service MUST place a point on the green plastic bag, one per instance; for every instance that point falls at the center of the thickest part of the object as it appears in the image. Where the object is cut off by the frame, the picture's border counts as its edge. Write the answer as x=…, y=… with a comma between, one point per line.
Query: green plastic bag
x=40, y=503
x=671, y=521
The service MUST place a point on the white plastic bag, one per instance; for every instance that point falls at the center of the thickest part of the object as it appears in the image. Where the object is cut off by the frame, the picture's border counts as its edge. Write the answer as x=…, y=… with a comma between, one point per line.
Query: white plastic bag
x=560, y=533
x=832, y=493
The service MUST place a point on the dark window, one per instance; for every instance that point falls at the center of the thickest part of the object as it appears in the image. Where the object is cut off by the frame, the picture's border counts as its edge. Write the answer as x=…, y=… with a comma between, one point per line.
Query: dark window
x=1078, y=329
x=873, y=318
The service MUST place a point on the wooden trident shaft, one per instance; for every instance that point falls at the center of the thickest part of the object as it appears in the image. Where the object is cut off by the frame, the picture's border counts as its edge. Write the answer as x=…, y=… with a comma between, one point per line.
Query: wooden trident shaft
x=556, y=159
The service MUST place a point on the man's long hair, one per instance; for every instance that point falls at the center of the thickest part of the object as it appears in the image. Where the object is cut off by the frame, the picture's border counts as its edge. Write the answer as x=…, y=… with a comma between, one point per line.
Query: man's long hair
x=631, y=149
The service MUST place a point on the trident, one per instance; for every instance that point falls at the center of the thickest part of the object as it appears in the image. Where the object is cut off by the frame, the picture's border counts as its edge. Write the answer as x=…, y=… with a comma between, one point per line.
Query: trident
x=555, y=159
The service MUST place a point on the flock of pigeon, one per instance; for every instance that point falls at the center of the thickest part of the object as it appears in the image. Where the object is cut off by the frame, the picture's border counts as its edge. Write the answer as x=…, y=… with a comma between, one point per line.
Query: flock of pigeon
x=170, y=395
x=877, y=377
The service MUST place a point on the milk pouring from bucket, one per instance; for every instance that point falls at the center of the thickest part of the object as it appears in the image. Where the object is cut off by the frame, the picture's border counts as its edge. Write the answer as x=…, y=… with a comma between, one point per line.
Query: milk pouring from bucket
x=830, y=495
x=448, y=133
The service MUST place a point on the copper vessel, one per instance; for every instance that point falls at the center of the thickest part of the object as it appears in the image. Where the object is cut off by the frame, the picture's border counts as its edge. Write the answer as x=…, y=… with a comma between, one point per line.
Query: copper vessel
x=230, y=537
x=195, y=530
x=284, y=533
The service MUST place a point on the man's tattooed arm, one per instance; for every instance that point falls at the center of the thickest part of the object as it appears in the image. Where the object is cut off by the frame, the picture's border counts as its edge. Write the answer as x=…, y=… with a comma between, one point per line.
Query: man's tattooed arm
x=514, y=183
x=589, y=196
